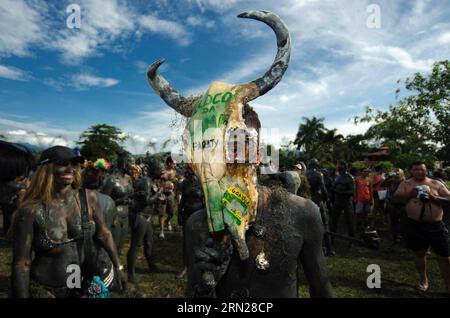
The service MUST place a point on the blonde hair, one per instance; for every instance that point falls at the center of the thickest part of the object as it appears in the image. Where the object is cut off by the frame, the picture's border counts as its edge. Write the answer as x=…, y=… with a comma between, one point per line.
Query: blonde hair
x=41, y=189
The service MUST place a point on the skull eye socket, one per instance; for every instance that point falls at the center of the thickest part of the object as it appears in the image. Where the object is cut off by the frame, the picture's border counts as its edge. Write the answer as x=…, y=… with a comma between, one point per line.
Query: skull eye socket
x=241, y=145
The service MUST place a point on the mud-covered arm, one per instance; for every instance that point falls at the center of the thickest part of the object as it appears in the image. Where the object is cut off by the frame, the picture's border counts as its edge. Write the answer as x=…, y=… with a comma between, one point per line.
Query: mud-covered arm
x=22, y=246
x=104, y=235
x=207, y=260
x=311, y=256
x=152, y=198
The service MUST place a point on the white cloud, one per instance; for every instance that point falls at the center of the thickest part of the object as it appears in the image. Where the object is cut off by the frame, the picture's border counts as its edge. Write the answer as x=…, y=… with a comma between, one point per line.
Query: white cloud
x=112, y=17
x=75, y=47
x=82, y=81
x=102, y=23
x=19, y=132
x=347, y=128
x=399, y=55
x=218, y=5
x=21, y=26
x=168, y=28
x=199, y=21
x=445, y=38
x=13, y=73
x=37, y=133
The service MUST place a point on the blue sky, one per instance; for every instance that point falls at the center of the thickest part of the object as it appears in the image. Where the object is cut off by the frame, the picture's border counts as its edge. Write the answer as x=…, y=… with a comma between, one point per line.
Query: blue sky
x=55, y=81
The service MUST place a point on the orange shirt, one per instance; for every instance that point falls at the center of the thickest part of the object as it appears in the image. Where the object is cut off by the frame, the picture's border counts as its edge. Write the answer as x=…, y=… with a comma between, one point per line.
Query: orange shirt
x=376, y=179
x=363, y=189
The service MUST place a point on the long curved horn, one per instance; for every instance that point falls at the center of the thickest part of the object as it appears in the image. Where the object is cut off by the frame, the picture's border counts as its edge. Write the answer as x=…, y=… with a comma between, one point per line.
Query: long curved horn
x=281, y=62
x=173, y=98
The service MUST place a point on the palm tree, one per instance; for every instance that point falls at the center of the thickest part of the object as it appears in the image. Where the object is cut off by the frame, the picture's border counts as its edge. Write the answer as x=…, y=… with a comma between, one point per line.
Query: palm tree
x=309, y=132
x=329, y=137
x=329, y=142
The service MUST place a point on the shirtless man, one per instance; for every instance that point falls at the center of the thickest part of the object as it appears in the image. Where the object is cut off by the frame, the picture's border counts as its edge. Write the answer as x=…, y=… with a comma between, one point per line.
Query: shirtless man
x=424, y=227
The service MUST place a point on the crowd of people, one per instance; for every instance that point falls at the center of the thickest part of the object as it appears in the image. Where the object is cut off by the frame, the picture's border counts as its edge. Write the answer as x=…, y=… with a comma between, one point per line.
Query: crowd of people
x=416, y=209
x=60, y=210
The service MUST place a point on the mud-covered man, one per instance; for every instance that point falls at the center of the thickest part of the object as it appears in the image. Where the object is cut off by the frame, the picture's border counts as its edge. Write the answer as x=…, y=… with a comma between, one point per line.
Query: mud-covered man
x=119, y=186
x=319, y=195
x=344, y=190
x=250, y=240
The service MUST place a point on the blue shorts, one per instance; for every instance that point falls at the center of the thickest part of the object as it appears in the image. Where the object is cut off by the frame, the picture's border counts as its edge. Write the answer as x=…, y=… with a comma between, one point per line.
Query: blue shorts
x=363, y=207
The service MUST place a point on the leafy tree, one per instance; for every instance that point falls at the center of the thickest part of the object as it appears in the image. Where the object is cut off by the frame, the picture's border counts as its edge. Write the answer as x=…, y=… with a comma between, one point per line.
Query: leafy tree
x=287, y=158
x=418, y=123
x=386, y=165
x=308, y=134
x=101, y=141
x=326, y=144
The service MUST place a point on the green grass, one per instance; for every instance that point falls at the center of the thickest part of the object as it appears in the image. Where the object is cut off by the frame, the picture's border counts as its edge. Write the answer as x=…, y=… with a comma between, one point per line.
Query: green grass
x=347, y=272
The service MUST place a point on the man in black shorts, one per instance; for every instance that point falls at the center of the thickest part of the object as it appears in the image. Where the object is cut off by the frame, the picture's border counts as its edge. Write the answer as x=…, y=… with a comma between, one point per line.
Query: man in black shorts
x=423, y=226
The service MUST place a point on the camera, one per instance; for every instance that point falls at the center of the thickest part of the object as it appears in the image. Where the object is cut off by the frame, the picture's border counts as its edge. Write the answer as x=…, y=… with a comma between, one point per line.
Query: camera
x=423, y=192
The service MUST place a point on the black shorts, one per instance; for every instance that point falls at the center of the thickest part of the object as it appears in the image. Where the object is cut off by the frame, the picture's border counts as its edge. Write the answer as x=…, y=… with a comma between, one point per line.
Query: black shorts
x=422, y=235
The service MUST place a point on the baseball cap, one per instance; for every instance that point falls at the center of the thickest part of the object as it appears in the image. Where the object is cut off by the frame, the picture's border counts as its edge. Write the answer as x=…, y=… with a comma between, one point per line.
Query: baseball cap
x=60, y=155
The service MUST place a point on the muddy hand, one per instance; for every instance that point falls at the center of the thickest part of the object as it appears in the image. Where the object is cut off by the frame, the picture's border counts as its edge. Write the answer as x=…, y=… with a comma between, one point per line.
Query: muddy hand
x=212, y=260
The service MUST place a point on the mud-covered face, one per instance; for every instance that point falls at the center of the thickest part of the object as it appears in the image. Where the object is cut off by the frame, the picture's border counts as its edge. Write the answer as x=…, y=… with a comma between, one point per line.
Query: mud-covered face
x=63, y=175
x=223, y=152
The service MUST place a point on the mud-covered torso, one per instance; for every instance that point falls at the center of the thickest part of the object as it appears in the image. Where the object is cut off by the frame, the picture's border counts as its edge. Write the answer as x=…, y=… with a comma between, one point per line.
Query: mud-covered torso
x=281, y=243
x=119, y=186
x=316, y=182
x=192, y=198
x=343, y=183
x=57, y=234
x=142, y=185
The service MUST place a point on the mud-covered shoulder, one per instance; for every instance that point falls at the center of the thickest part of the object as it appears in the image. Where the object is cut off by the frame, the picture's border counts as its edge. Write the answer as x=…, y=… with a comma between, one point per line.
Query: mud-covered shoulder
x=93, y=200
x=27, y=211
x=305, y=212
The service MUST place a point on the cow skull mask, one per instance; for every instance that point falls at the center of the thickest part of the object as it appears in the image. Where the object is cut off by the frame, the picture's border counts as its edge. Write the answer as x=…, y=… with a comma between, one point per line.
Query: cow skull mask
x=216, y=123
